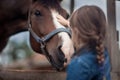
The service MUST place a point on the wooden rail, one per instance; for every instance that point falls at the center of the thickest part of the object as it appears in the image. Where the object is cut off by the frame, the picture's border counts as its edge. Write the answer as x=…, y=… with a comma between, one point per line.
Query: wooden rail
x=36, y=68
x=32, y=75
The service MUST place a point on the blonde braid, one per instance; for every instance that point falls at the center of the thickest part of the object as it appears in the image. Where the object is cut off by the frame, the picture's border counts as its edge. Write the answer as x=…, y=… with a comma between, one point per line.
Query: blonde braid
x=100, y=50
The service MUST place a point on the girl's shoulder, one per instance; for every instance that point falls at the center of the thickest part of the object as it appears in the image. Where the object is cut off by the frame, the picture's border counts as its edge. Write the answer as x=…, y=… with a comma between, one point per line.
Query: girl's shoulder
x=85, y=55
x=87, y=62
x=86, y=58
x=83, y=64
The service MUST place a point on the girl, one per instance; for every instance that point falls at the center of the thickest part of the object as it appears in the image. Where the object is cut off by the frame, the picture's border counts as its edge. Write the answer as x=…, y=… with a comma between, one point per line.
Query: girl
x=91, y=59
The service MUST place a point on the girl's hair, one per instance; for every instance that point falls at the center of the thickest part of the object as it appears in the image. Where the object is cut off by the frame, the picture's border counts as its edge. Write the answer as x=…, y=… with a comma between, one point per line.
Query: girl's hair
x=89, y=26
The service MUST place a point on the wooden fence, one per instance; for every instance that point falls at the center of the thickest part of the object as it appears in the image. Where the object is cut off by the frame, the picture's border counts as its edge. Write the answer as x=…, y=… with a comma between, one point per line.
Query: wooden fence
x=32, y=75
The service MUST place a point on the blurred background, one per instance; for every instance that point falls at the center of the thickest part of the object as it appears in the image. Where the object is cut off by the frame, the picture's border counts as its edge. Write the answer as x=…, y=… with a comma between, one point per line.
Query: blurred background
x=18, y=51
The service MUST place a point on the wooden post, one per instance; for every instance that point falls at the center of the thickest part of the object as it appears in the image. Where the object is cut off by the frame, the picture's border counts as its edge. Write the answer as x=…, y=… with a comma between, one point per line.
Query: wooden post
x=112, y=40
x=72, y=3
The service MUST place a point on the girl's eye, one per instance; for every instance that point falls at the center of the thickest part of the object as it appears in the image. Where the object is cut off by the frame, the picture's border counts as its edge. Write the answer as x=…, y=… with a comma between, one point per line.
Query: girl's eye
x=37, y=13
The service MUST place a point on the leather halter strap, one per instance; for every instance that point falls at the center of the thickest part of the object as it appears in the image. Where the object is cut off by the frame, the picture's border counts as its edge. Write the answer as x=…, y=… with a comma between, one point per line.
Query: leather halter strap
x=49, y=36
x=43, y=41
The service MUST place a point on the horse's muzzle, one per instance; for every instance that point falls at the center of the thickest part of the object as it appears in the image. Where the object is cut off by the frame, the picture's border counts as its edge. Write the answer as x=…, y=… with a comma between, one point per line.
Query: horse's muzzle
x=61, y=57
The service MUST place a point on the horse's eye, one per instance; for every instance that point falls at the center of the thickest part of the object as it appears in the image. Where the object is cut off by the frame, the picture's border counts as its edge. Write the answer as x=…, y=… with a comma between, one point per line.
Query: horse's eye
x=38, y=13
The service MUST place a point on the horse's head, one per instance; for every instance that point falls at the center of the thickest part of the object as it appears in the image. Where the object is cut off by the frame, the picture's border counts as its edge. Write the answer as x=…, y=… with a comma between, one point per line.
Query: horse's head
x=48, y=36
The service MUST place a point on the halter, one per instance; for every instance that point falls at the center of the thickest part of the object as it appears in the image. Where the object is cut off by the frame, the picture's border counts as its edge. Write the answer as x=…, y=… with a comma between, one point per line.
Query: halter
x=43, y=41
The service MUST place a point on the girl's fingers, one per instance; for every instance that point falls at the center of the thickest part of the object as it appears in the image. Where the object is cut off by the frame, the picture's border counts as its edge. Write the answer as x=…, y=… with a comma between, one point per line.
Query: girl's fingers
x=62, y=20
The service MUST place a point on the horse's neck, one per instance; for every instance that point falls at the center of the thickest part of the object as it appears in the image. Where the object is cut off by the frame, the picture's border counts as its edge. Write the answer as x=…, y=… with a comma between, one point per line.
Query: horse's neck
x=13, y=28
x=10, y=8
x=13, y=16
x=9, y=29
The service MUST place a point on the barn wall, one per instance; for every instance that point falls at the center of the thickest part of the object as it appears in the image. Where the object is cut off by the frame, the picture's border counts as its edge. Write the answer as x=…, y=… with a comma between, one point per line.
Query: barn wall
x=112, y=40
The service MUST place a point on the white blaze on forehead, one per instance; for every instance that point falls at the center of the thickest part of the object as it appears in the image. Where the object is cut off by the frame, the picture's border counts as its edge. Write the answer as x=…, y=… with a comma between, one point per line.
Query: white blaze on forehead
x=67, y=46
x=63, y=35
x=56, y=23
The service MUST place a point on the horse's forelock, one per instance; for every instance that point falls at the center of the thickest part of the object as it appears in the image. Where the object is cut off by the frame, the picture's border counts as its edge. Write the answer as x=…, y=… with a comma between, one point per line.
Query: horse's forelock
x=54, y=4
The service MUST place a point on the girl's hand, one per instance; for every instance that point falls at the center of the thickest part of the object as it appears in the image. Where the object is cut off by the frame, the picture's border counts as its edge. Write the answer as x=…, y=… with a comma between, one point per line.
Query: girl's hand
x=62, y=21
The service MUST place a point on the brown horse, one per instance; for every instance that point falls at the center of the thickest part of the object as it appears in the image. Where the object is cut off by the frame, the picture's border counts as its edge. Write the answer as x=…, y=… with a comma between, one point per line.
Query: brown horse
x=42, y=21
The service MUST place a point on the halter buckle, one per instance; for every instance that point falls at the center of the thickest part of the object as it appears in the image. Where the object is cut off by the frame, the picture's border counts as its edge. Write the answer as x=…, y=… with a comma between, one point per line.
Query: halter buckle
x=42, y=45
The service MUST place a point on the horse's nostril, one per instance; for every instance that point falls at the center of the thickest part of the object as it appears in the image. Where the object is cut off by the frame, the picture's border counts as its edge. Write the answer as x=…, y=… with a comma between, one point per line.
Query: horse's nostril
x=61, y=55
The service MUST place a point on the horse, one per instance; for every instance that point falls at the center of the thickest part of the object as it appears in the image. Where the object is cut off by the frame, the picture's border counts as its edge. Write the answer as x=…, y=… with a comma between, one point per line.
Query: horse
x=47, y=35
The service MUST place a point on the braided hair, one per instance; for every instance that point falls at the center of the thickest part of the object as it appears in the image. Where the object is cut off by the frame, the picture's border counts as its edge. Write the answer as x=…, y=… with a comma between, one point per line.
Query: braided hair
x=88, y=25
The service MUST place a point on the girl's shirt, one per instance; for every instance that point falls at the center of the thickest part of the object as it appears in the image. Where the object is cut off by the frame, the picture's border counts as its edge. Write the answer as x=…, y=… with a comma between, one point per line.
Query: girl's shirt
x=86, y=67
